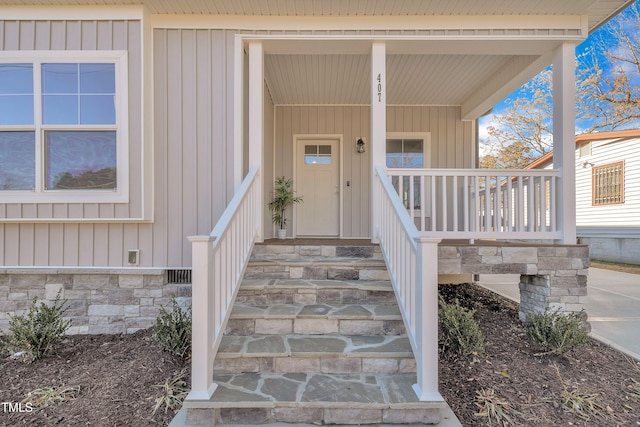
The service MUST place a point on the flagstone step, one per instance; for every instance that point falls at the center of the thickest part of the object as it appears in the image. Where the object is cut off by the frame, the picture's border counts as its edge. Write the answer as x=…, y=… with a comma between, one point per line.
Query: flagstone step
x=319, y=398
x=267, y=291
x=295, y=266
x=348, y=319
x=315, y=353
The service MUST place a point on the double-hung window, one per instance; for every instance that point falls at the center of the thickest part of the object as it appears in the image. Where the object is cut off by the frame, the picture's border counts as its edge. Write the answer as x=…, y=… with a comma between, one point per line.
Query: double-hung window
x=63, y=127
x=409, y=151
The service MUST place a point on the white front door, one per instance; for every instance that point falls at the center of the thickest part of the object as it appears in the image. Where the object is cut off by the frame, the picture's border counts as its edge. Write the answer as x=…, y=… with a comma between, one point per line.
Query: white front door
x=318, y=183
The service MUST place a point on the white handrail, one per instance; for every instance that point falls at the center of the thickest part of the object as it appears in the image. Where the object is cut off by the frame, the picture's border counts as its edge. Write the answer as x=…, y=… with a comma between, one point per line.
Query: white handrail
x=480, y=203
x=219, y=262
x=412, y=261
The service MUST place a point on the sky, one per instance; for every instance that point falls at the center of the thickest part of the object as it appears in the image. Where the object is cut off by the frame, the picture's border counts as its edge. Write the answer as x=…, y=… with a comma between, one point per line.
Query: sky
x=583, y=48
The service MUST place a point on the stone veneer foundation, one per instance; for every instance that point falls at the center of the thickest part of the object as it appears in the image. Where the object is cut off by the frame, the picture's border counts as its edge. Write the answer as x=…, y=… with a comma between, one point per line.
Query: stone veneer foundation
x=113, y=301
x=100, y=301
x=552, y=277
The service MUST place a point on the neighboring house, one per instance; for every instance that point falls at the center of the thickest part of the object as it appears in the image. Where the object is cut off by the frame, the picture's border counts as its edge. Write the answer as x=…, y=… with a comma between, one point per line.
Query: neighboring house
x=139, y=145
x=607, y=196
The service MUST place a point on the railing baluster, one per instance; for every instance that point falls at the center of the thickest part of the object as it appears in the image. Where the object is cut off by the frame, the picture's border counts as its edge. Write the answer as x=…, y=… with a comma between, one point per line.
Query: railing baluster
x=444, y=204
x=465, y=203
x=434, y=219
x=423, y=204
x=455, y=203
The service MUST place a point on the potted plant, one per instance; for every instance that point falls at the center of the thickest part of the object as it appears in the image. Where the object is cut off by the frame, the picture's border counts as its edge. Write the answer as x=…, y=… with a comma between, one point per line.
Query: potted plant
x=283, y=197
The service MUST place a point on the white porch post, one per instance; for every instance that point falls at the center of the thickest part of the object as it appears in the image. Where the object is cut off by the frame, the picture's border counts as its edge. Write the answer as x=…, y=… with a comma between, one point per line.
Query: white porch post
x=238, y=112
x=564, y=134
x=256, y=124
x=426, y=387
x=202, y=354
x=378, y=123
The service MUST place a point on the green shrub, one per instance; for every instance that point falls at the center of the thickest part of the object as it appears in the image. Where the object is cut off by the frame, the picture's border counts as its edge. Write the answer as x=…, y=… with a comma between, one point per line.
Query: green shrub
x=557, y=333
x=35, y=333
x=459, y=330
x=172, y=329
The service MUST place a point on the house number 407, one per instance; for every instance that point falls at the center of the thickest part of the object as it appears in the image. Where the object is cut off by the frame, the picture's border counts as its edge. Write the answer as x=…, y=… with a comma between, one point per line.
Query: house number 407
x=379, y=79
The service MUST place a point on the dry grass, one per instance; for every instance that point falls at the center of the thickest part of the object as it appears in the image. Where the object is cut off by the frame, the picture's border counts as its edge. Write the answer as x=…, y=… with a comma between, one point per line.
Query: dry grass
x=46, y=396
x=494, y=407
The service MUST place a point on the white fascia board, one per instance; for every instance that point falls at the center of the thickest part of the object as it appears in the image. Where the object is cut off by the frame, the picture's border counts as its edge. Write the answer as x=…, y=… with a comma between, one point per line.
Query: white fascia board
x=65, y=13
x=330, y=23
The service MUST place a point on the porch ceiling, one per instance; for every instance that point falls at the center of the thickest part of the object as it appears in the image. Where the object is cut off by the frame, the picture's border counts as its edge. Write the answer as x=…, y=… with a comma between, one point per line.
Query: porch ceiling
x=411, y=79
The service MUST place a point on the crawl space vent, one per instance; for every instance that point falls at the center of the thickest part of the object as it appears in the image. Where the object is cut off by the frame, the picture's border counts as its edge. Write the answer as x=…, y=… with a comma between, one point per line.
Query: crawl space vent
x=179, y=276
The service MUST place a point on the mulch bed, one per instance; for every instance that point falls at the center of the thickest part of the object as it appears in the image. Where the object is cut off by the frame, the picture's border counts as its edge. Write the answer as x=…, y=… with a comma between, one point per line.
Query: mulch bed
x=532, y=384
x=117, y=374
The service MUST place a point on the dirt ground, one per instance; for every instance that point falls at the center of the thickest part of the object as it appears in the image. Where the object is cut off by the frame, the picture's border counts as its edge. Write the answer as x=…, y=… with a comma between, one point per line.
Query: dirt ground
x=117, y=374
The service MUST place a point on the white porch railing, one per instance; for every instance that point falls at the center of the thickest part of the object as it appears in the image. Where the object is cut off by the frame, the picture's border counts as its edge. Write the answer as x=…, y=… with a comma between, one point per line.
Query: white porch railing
x=412, y=262
x=480, y=203
x=219, y=262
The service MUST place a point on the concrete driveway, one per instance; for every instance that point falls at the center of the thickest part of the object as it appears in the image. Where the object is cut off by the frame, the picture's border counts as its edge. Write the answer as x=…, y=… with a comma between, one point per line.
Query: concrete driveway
x=613, y=305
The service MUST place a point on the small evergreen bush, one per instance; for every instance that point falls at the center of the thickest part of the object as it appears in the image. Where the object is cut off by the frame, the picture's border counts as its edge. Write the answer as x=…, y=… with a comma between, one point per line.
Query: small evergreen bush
x=557, y=333
x=35, y=333
x=172, y=329
x=460, y=332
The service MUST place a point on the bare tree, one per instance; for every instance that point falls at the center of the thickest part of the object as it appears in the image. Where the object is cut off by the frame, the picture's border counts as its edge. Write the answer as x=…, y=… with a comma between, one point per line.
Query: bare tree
x=609, y=88
x=607, y=97
x=522, y=132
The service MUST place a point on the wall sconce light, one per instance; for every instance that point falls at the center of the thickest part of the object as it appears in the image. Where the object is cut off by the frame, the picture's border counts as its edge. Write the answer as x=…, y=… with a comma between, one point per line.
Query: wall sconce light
x=587, y=163
x=360, y=145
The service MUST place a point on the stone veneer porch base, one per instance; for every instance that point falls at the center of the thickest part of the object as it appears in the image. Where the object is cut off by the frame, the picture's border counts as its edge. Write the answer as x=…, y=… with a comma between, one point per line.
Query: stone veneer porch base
x=124, y=300
x=552, y=277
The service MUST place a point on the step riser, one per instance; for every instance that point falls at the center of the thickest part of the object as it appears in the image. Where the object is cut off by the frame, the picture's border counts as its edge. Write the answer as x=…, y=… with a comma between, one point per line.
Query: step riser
x=325, y=365
x=295, y=252
x=291, y=271
x=314, y=327
x=312, y=416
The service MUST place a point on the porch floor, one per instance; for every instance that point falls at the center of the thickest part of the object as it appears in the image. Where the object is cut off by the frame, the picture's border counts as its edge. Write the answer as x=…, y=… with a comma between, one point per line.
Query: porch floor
x=312, y=241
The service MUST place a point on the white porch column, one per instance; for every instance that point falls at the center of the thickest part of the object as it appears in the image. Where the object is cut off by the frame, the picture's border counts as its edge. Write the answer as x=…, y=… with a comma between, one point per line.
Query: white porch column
x=256, y=123
x=564, y=139
x=378, y=123
x=238, y=112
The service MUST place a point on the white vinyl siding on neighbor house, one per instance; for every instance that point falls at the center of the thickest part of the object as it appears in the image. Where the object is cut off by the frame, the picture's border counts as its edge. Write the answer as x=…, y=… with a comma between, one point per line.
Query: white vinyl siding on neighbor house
x=606, y=152
x=71, y=234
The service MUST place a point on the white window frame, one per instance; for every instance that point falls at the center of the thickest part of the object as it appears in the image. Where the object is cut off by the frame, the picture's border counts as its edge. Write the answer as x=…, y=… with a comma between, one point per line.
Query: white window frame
x=426, y=161
x=426, y=144
x=41, y=195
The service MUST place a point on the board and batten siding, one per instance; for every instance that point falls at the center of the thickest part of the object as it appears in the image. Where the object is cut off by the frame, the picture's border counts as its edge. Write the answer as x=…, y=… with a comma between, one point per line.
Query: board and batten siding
x=193, y=137
x=452, y=146
x=602, y=153
x=81, y=243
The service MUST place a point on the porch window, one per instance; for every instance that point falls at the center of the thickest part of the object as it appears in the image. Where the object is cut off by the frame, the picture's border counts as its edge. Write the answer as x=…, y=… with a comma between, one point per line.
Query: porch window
x=408, y=151
x=608, y=184
x=62, y=128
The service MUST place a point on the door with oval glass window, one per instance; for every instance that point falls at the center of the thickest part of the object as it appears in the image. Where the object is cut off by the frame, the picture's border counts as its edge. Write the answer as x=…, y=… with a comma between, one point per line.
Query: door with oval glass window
x=318, y=183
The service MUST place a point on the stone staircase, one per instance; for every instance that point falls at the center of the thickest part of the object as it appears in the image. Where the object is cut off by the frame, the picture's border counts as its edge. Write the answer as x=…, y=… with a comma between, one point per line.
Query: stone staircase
x=316, y=336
